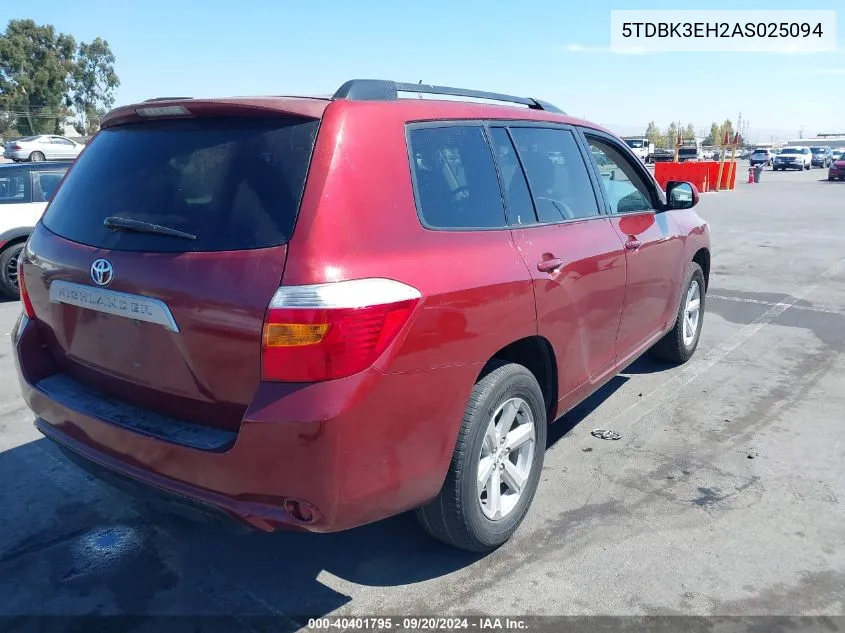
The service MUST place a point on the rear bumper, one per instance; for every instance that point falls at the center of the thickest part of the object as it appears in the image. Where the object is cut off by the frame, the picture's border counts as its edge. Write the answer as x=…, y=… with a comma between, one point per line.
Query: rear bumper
x=353, y=450
x=836, y=172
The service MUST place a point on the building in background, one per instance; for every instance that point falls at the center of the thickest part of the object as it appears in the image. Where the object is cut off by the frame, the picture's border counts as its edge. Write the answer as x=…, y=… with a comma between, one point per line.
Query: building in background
x=831, y=140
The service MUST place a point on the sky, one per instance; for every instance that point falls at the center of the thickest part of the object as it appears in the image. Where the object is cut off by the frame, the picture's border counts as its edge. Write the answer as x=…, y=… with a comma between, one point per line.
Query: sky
x=555, y=50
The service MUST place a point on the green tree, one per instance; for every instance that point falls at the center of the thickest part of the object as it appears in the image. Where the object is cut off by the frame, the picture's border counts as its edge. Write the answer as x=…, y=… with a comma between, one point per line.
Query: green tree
x=36, y=64
x=715, y=134
x=93, y=84
x=728, y=127
x=689, y=131
x=654, y=135
x=672, y=134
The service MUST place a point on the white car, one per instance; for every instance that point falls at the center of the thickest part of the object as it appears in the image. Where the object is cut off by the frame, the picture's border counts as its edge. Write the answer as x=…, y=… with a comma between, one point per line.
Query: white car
x=761, y=156
x=41, y=148
x=793, y=158
x=24, y=193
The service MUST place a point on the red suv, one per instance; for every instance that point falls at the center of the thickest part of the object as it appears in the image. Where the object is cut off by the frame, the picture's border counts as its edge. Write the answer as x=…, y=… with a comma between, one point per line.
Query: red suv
x=315, y=313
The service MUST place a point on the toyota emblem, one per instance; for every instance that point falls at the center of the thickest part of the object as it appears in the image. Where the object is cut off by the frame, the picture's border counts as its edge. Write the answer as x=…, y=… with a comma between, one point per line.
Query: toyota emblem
x=102, y=272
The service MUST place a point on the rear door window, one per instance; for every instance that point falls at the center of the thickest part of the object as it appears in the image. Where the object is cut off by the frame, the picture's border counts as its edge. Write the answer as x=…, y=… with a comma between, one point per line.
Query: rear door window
x=234, y=184
x=557, y=174
x=520, y=206
x=455, y=178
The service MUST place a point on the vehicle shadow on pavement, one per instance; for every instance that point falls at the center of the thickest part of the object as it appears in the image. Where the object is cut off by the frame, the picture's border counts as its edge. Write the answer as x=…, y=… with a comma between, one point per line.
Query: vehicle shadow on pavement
x=70, y=545
x=567, y=422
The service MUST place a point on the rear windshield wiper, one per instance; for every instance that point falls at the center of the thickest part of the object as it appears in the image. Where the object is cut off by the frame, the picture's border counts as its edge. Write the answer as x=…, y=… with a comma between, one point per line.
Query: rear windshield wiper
x=125, y=224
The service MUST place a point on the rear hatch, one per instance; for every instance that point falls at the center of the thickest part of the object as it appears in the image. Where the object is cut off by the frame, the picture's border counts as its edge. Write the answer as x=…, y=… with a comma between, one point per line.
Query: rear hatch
x=159, y=254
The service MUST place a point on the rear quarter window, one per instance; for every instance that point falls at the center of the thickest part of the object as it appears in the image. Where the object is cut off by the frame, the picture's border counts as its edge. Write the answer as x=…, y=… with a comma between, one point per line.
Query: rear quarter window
x=455, y=178
x=235, y=184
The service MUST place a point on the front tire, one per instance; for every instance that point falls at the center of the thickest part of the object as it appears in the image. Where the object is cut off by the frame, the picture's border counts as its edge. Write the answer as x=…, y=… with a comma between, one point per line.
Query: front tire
x=496, y=463
x=680, y=343
x=9, y=271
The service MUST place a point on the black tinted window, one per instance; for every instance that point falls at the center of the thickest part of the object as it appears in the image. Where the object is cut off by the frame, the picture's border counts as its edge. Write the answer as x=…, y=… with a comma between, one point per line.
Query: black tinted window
x=557, y=174
x=456, y=180
x=44, y=184
x=520, y=207
x=233, y=183
x=14, y=186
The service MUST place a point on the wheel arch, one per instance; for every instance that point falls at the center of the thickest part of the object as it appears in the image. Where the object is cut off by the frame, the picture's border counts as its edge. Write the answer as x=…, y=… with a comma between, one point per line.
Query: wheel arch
x=702, y=258
x=537, y=355
x=14, y=236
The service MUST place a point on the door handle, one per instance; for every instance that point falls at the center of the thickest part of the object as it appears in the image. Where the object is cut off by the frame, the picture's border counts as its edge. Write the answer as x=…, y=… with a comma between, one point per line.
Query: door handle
x=633, y=245
x=549, y=265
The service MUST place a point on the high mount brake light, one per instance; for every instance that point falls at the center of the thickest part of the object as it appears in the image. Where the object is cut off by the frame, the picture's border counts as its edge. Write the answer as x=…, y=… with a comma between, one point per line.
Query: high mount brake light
x=154, y=111
x=327, y=331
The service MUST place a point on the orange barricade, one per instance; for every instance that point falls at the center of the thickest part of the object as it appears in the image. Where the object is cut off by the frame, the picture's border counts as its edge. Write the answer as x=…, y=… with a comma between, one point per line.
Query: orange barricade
x=729, y=176
x=664, y=172
x=696, y=172
x=713, y=172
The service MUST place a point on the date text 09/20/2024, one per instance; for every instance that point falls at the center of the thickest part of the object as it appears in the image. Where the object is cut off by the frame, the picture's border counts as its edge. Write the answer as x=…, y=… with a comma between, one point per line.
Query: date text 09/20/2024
x=417, y=624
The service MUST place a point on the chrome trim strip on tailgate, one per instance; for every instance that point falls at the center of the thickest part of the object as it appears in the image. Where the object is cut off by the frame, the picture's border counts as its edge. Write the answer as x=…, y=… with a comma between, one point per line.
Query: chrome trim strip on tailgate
x=120, y=304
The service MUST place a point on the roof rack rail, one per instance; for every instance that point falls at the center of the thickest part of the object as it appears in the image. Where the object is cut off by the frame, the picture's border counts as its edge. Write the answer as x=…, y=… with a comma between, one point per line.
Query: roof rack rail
x=167, y=99
x=384, y=90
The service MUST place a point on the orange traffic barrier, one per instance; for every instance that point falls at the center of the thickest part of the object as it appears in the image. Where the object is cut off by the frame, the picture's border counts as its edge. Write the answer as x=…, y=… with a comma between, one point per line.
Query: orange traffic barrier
x=704, y=174
x=729, y=177
x=695, y=172
x=713, y=172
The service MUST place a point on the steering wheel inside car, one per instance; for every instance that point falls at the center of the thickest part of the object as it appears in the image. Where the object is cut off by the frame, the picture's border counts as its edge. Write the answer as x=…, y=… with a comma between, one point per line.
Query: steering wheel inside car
x=562, y=208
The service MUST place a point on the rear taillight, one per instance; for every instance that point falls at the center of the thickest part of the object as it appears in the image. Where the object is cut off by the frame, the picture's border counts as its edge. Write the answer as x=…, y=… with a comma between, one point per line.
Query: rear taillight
x=16, y=147
x=25, y=302
x=332, y=330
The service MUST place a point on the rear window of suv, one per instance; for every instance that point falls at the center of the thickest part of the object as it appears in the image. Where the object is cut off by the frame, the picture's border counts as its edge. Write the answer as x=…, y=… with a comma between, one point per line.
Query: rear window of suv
x=234, y=184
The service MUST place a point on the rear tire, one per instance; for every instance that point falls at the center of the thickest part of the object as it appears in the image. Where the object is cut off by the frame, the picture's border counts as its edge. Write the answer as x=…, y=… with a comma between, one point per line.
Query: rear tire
x=677, y=346
x=36, y=157
x=9, y=270
x=464, y=512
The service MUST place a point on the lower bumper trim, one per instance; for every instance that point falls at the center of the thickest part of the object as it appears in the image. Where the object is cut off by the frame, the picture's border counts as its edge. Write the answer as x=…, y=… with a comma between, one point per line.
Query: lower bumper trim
x=165, y=501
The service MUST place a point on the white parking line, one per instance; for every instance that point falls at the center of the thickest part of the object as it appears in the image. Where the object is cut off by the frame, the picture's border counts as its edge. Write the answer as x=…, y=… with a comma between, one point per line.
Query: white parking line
x=800, y=234
x=772, y=304
x=632, y=415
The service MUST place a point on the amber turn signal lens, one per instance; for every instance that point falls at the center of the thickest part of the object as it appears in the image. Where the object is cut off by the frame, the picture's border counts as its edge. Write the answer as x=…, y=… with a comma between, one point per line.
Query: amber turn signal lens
x=293, y=334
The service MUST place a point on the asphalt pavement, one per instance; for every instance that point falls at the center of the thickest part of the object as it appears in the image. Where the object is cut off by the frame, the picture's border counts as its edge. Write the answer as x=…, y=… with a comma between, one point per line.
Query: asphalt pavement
x=723, y=495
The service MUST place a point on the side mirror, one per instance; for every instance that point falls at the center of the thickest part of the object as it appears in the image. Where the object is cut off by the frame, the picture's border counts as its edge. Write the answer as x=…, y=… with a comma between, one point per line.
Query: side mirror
x=681, y=195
